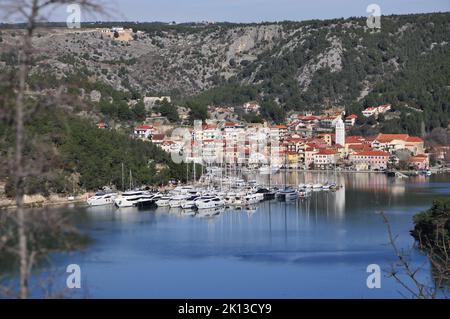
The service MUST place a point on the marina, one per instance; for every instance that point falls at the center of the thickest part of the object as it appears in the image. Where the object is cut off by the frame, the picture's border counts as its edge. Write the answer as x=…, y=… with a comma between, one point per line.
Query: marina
x=317, y=247
x=213, y=190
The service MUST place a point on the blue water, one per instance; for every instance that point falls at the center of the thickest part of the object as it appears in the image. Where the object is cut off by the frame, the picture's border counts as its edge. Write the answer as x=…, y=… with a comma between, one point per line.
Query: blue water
x=310, y=249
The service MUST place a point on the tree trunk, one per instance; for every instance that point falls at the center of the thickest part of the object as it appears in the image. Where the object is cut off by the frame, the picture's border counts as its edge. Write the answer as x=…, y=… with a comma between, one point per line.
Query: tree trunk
x=19, y=174
x=25, y=56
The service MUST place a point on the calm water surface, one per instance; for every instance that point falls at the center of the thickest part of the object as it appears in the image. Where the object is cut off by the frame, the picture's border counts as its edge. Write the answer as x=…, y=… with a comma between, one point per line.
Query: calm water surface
x=320, y=247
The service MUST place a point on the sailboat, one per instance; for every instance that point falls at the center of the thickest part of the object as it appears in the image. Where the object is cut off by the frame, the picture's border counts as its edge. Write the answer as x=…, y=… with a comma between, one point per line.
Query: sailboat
x=288, y=193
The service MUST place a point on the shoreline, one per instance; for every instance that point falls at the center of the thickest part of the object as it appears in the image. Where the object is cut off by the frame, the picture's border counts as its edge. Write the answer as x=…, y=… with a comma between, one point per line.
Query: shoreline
x=39, y=201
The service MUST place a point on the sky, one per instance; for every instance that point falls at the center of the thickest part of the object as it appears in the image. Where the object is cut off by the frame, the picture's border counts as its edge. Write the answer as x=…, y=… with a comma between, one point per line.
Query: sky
x=251, y=10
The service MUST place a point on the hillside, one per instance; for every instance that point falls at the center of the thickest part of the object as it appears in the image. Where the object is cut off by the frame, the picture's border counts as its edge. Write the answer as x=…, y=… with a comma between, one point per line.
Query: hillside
x=296, y=65
x=286, y=66
x=66, y=154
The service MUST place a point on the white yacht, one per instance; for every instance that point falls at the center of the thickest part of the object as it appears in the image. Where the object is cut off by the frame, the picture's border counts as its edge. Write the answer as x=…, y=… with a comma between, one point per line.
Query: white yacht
x=163, y=201
x=287, y=194
x=328, y=186
x=213, y=202
x=183, y=189
x=317, y=186
x=131, y=198
x=177, y=200
x=101, y=198
x=253, y=198
x=189, y=203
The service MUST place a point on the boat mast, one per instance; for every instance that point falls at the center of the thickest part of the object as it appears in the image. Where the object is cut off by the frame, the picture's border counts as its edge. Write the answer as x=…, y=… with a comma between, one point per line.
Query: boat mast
x=123, y=179
x=187, y=172
x=285, y=166
x=131, y=180
x=193, y=165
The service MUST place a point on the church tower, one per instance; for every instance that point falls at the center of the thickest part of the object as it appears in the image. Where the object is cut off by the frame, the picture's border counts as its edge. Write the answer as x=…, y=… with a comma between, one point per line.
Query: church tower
x=340, y=132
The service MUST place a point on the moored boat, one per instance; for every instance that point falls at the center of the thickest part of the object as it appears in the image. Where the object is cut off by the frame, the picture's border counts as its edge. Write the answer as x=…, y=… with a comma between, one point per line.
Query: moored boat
x=101, y=199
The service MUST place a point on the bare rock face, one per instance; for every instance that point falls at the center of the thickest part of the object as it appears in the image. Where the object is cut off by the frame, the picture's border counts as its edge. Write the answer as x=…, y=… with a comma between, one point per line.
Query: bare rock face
x=331, y=58
x=95, y=96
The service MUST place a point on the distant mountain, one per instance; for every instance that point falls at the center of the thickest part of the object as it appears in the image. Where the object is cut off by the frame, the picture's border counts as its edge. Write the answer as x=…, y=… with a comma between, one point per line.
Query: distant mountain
x=286, y=66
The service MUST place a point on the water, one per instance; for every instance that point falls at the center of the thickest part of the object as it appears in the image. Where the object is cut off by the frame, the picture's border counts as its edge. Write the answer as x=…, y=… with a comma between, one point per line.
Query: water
x=319, y=248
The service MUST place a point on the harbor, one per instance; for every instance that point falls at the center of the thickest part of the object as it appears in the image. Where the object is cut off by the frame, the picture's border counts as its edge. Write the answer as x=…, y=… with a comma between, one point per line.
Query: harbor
x=217, y=189
x=303, y=248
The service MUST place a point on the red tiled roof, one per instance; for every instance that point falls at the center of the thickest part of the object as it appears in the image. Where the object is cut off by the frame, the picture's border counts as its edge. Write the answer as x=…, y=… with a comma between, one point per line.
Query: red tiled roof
x=351, y=116
x=209, y=126
x=330, y=117
x=414, y=139
x=280, y=127
x=385, y=138
x=360, y=147
x=308, y=118
x=326, y=151
x=158, y=137
x=353, y=139
x=144, y=127
x=419, y=158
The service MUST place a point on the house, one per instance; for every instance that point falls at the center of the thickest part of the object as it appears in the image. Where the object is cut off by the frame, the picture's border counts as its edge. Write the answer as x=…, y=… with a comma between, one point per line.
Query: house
x=309, y=119
x=350, y=120
x=329, y=121
x=169, y=146
x=278, y=132
x=102, y=125
x=158, y=139
x=143, y=131
x=325, y=157
x=309, y=153
x=394, y=142
x=292, y=159
x=251, y=107
x=419, y=162
x=376, y=110
x=327, y=137
x=370, y=160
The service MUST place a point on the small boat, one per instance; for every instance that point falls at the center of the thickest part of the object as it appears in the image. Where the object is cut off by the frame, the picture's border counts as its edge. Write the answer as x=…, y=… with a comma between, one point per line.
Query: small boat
x=101, y=198
x=252, y=199
x=189, y=203
x=317, y=186
x=328, y=186
x=205, y=203
x=300, y=186
x=267, y=193
x=163, y=201
x=130, y=198
x=304, y=193
x=287, y=194
x=177, y=200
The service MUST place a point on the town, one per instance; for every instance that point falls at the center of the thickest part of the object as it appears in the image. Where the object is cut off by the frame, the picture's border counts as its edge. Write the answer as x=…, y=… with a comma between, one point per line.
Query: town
x=306, y=141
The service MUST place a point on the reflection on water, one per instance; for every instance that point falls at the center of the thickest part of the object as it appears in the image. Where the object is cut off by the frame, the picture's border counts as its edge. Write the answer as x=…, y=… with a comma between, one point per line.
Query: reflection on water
x=317, y=247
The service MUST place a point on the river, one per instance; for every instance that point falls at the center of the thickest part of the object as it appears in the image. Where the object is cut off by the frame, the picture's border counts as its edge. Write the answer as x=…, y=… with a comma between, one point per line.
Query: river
x=317, y=248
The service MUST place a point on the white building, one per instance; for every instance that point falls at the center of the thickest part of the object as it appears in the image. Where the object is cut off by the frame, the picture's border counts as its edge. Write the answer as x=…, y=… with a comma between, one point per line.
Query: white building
x=340, y=132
